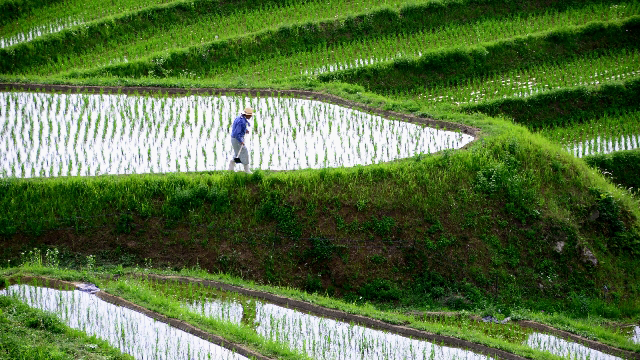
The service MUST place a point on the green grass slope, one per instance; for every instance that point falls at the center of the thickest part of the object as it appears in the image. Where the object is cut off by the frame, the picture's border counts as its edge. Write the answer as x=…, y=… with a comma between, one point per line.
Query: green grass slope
x=512, y=220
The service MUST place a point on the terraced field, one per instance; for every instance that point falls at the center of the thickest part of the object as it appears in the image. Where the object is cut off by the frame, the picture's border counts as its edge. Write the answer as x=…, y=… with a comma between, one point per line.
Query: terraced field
x=410, y=159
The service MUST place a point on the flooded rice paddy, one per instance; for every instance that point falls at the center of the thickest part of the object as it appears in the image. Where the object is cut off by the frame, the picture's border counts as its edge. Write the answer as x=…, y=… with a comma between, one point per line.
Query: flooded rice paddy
x=38, y=31
x=317, y=337
x=230, y=311
x=602, y=145
x=132, y=332
x=69, y=134
x=322, y=338
x=566, y=349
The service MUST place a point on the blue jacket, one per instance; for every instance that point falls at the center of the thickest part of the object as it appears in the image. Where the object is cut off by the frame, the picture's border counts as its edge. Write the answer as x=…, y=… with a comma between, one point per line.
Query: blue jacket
x=239, y=128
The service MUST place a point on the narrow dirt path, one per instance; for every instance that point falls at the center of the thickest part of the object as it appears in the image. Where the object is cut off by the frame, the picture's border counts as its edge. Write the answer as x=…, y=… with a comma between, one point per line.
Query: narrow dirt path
x=178, y=324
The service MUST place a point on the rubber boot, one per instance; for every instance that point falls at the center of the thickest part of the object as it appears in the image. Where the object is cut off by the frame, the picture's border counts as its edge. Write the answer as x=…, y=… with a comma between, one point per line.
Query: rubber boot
x=246, y=169
x=232, y=165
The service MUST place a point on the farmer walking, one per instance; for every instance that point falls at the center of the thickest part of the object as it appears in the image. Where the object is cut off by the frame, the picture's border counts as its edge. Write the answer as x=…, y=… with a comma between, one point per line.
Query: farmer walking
x=238, y=131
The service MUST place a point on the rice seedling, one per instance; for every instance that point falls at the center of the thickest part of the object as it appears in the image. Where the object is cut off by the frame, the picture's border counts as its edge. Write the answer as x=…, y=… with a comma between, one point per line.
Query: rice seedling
x=566, y=349
x=586, y=71
x=37, y=31
x=108, y=134
x=132, y=332
x=318, y=337
x=368, y=51
x=609, y=133
x=324, y=338
x=207, y=28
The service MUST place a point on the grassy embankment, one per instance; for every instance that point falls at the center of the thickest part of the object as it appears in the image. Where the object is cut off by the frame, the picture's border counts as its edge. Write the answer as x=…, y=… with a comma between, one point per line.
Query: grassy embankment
x=164, y=29
x=467, y=229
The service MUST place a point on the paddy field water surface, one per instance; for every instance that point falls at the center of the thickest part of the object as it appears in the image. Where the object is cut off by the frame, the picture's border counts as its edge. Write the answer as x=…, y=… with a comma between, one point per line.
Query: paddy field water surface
x=37, y=31
x=70, y=134
x=566, y=349
x=132, y=332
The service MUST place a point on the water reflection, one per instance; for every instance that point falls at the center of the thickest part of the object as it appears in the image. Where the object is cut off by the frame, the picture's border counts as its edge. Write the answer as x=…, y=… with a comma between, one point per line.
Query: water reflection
x=601, y=145
x=38, y=31
x=71, y=134
x=566, y=348
x=230, y=311
x=132, y=332
x=322, y=338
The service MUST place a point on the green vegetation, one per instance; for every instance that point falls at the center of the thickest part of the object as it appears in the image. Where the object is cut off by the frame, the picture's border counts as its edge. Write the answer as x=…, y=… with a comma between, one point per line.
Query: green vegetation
x=331, y=41
x=493, y=58
x=514, y=222
x=602, y=135
x=48, y=338
x=13, y=9
x=180, y=24
x=327, y=57
x=621, y=166
x=567, y=107
x=526, y=83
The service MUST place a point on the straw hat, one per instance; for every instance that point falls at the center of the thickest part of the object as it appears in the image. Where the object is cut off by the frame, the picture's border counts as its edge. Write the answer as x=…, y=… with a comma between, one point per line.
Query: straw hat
x=248, y=111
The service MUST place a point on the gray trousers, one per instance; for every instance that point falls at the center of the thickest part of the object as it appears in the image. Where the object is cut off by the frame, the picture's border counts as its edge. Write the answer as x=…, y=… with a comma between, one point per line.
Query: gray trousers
x=244, y=154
